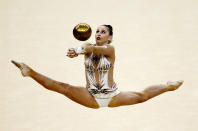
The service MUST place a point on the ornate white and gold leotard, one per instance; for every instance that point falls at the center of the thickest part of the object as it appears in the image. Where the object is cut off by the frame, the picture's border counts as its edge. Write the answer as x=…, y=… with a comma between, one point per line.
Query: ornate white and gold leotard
x=99, y=89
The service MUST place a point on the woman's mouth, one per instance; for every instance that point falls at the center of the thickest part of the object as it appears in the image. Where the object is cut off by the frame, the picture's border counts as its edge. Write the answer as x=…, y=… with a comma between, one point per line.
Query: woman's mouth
x=98, y=38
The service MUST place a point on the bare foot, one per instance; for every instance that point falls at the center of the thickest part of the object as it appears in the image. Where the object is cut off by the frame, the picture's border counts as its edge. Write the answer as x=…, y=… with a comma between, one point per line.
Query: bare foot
x=25, y=70
x=173, y=85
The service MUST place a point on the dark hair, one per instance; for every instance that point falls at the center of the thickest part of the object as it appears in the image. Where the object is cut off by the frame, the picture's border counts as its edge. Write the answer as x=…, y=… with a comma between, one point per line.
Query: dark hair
x=110, y=29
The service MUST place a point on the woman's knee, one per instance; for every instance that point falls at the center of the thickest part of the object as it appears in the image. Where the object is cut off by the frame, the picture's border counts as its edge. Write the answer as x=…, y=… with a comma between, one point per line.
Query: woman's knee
x=142, y=97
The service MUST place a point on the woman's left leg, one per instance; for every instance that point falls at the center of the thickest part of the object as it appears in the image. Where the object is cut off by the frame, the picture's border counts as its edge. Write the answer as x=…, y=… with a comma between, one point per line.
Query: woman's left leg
x=78, y=94
x=130, y=98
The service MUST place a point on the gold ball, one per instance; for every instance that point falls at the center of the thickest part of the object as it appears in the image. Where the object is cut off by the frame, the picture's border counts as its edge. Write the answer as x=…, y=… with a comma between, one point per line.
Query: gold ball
x=82, y=31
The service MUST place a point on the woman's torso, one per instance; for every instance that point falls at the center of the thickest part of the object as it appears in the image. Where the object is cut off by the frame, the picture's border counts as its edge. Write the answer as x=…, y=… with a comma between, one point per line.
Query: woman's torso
x=99, y=71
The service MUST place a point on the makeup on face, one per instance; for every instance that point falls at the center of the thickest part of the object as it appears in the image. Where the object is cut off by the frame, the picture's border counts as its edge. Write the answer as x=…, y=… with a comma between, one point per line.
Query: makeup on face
x=102, y=34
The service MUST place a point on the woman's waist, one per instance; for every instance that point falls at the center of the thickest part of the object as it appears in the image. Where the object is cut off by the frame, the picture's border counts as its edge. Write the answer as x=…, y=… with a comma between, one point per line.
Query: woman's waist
x=96, y=89
x=97, y=79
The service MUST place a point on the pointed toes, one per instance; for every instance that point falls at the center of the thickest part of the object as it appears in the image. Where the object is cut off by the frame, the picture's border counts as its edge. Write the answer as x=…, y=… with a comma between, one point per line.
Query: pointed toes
x=16, y=63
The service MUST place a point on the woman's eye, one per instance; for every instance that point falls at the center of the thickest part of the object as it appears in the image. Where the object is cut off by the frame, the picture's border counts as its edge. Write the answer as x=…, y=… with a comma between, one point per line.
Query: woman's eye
x=97, y=31
x=103, y=32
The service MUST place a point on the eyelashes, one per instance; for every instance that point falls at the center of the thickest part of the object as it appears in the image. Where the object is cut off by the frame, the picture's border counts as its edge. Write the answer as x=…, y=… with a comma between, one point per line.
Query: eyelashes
x=103, y=31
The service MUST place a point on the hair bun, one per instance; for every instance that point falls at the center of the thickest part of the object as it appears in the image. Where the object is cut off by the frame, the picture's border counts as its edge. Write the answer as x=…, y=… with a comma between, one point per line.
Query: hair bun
x=110, y=29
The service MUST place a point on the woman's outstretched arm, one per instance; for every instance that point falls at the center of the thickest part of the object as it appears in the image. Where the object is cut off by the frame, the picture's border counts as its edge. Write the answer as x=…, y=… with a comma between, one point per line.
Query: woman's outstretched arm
x=87, y=48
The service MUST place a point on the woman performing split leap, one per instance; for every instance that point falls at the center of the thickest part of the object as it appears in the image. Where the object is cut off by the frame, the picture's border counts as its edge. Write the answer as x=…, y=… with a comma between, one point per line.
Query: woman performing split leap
x=101, y=90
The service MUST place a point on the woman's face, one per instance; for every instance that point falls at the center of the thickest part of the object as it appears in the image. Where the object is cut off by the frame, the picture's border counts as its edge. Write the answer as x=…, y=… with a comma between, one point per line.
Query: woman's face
x=102, y=35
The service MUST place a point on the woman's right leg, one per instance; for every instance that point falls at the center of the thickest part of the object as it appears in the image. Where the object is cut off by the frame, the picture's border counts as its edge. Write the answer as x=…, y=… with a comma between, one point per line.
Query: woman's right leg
x=75, y=93
x=130, y=97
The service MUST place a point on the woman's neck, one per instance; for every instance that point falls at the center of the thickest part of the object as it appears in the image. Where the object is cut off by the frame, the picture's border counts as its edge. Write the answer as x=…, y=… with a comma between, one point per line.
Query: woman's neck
x=101, y=43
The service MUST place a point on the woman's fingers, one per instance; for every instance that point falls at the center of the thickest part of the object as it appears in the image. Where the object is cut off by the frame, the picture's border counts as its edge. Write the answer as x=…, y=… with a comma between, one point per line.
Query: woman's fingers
x=71, y=49
x=71, y=54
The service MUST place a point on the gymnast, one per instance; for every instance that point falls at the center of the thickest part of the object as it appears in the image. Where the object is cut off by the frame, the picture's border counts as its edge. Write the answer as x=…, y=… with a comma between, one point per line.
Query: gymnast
x=100, y=90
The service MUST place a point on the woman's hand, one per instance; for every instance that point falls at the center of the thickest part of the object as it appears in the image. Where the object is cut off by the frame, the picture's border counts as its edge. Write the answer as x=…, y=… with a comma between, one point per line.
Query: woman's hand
x=71, y=53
